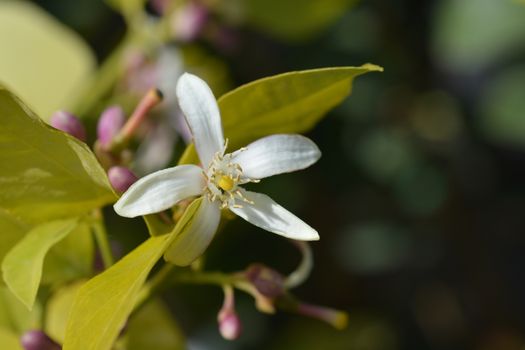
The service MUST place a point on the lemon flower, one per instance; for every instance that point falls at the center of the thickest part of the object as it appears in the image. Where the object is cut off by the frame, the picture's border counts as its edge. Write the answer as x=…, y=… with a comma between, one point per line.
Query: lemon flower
x=220, y=178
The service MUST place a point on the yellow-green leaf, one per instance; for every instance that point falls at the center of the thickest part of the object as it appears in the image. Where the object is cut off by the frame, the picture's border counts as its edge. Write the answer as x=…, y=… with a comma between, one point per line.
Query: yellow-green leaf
x=127, y=7
x=153, y=327
x=9, y=340
x=45, y=174
x=22, y=266
x=15, y=316
x=11, y=231
x=71, y=258
x=103, y=304
x=287, y=103
x=57, y=310
x=42, y=60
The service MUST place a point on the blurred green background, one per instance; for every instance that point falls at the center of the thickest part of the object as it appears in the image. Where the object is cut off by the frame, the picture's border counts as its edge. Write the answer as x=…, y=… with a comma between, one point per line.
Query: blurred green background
x=419, y=197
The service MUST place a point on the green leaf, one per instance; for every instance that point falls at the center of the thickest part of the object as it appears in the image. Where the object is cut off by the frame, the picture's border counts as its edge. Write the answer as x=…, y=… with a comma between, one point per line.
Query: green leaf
x=15, y=316
x=71, y=258
x=287, y=103
x=46, y=174
x=103, y=304
x=127, y=7
x=43, y=61
x=22, y=266
x=294, y=20
x=156, y=227
x=9, y=340
x=57, y=310
x=153, y=327
x=11, y=231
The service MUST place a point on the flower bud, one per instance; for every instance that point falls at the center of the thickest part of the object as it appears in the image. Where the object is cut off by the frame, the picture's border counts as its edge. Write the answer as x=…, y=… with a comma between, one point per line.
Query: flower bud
x=121, y=178
x=229, y=325
x=190, y=21
x=267, y=281
x=67, y=122
x=109, y=124
x=38, y=340
x=229, y=322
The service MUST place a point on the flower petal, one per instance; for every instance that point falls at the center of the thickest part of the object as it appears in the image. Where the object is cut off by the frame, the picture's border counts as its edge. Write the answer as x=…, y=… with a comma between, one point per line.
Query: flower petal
x=160, y=190
x=277, y=154
x=194, y=239
x=268, y=215
x=202, y=114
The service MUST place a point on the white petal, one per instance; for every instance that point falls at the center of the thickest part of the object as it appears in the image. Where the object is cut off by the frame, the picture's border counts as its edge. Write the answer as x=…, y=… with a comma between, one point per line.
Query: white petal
x=195, y=238
x=202, y=114
x=160, y=190
x=277, y=154
x=268, y=215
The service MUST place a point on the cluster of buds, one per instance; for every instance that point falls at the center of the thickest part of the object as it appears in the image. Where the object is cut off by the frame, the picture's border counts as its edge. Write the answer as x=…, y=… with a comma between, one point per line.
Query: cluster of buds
x=113, y=134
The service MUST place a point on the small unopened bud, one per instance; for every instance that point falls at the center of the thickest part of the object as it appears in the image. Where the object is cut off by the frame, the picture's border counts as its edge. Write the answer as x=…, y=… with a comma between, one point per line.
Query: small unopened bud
x=67, y=122
x=267, y=281
x=121, y=178
x=230, y=325
x=338, y=319
x=38, y=340
x=109, y=124
x=190, y=21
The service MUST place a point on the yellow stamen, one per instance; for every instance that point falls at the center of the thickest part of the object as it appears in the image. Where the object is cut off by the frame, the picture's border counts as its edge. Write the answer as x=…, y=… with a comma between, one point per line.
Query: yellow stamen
x=226, y=183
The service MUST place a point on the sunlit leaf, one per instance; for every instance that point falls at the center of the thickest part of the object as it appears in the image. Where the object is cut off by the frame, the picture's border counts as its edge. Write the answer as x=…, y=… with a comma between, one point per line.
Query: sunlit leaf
x=290, y=19
x=71, y=258
x=286, y=103
x=42, y=60
x=15, y=316
x=44, y=173
x=153, y=327
x=57, y=310
x=11, y=231
x=127, y=7
x=103, y=304
x=9, y=340
x=22, y=266
x=156, y=226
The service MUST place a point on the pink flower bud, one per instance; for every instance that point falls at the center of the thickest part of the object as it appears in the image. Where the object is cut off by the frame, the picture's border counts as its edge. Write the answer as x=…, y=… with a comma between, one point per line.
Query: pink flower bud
x=38, y=340
x=109, y=124
x=121, y=178
x=230, y=325
x=190, y=21
x=67, y=122
x=267, y=281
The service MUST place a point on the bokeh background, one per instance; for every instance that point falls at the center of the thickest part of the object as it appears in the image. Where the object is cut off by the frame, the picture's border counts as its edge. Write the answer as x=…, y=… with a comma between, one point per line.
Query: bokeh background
x=419, y=197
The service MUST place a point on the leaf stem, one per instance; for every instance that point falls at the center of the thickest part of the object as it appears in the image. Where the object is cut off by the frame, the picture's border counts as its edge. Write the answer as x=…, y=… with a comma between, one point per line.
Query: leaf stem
x=101, y=237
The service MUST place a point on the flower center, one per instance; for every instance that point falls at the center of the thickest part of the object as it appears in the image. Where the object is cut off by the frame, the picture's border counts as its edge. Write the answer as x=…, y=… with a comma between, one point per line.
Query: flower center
x=226, y=183
x=223, y=178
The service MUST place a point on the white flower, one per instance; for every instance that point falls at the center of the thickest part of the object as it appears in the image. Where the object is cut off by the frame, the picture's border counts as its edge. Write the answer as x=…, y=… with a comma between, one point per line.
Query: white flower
x=220, y=178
